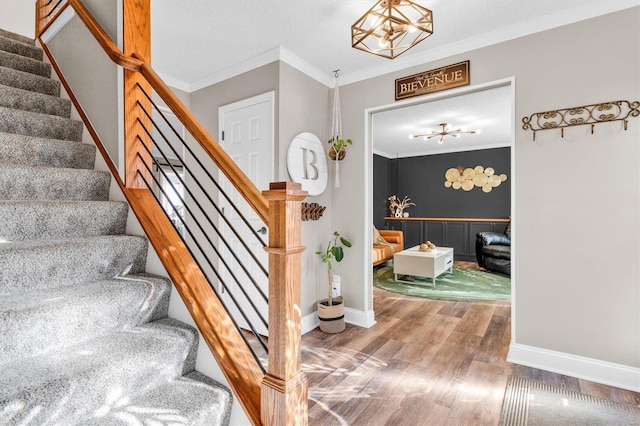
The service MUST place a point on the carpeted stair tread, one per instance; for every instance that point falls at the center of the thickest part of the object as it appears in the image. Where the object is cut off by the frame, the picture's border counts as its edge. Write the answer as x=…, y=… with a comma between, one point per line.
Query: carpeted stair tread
x=18, y=37
x=25, y=220
x=40, y=264
x=27, y=81
x=33, y=151
x=19, y=48
x=62, y=387
x=39, y=125
x=22, y=63
x=25, y=100
x=194, y=400
x=51, y=319
x=85, y=333
x=52, y=183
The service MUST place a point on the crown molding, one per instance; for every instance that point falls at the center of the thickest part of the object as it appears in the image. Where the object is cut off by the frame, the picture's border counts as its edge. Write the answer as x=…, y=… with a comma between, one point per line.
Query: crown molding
x=306, y=68
x=174, y=82
x=448, y=150
x=383, y=154
x=277, y=54
x=233, y=71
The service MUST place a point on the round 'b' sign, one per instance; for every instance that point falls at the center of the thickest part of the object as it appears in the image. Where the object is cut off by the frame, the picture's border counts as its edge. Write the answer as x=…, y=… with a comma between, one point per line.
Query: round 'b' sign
x=307, y=163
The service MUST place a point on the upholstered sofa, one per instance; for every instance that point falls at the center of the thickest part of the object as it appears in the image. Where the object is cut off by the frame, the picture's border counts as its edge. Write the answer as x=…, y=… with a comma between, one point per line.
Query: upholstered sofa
x=493, y=250
x=384, y=252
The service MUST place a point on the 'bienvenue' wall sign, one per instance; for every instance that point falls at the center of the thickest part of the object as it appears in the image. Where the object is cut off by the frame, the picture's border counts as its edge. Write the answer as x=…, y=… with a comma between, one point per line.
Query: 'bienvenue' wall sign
x=448, y=77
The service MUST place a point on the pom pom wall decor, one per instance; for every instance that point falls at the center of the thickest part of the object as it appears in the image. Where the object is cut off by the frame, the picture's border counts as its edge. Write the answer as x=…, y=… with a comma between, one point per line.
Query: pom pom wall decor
x=469, y=178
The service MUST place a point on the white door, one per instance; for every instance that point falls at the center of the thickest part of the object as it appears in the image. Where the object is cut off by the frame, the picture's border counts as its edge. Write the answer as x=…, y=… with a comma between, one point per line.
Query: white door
x=246, y=134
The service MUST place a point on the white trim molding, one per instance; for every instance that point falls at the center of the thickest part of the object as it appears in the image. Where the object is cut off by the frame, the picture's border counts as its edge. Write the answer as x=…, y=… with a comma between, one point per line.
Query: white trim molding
x=309, y=322
x=352, y=316
x=607, y=373
x=364, y=319
x=55, y=27
x=276, y=54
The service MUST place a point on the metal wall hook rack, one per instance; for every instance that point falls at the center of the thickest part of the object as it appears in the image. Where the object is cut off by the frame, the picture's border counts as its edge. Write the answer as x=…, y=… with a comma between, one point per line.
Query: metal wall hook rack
x=583, y=115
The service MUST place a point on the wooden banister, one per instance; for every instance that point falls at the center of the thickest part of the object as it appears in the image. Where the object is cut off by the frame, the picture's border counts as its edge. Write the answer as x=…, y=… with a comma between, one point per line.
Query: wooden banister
x=226, y=164
x=280, y=397
x=235, y=175
x=232, y=354
x=234, y=357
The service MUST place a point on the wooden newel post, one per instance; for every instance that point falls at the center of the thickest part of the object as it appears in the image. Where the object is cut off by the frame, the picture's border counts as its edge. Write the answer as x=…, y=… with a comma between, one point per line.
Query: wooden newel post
x=137, y=39
x=284, y=399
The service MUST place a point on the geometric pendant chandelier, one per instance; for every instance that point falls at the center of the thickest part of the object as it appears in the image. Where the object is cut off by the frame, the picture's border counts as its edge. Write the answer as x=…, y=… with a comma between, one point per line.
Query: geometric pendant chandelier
x=444, y=131
x=391, y=27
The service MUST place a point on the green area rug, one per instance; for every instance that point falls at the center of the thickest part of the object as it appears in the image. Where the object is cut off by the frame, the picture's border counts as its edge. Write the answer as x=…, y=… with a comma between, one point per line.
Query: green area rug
x=531, y=403
x=462, y=284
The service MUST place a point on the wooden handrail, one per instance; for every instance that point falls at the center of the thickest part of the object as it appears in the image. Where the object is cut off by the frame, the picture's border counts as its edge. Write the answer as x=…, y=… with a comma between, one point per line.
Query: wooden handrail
x=235, y=175
x=234, y=357
x=226, y=164
x=280, y=397
x=240, y=368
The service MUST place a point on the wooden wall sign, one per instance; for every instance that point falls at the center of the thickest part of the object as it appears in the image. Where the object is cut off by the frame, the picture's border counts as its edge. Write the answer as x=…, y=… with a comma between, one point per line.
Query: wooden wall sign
x=435, y=80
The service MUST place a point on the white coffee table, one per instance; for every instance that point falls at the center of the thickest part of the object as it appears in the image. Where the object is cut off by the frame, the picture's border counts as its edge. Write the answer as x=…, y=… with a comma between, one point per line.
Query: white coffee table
x=428, y=264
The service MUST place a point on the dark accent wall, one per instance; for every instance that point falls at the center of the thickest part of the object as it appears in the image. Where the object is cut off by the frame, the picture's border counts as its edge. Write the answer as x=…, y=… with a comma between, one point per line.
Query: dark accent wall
x=422, y=179
x=382, y=187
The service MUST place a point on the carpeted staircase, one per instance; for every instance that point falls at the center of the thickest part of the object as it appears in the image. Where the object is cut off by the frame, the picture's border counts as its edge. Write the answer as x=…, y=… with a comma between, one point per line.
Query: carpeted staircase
x=85, y=337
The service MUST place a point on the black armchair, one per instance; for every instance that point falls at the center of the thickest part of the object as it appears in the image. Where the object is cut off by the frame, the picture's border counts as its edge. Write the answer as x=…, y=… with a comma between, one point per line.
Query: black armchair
x=493, y=250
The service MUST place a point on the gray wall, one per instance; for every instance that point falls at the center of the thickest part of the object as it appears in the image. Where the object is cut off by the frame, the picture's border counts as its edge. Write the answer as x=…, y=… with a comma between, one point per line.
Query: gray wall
x=301, y=105
x=91, y=74
x=384, y=184
x=18, y=16
x=304, y=108
x=576, y=237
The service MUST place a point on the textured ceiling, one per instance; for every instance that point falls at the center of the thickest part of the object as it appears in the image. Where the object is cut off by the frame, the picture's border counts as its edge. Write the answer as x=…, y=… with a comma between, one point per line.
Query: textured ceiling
x=195, y=40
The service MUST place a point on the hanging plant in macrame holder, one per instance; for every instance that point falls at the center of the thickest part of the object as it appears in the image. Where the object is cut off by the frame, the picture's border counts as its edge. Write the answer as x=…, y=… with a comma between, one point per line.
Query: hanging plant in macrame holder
x=337, y=150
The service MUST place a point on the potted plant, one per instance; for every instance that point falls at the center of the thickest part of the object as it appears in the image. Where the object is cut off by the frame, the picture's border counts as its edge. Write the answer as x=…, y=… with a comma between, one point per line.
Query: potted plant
x=337, y=151
x=331, y=309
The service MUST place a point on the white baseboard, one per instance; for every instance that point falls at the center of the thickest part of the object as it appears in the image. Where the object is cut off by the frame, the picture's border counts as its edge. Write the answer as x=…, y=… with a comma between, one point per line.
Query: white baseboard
x=352, y=316
x=364, y=319
x=607, y=373
x=309, y=322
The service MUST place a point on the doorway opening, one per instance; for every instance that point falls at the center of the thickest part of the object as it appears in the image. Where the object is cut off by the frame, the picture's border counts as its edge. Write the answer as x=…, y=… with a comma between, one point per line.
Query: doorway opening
x=428, y=112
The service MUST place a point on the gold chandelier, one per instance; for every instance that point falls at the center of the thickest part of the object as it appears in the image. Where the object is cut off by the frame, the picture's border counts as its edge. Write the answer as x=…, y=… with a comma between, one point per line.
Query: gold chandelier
x=445, y=131
x=391, y=27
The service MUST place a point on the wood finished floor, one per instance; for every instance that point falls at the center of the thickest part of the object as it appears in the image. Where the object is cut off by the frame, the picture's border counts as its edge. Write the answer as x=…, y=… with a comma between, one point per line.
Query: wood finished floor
x=424, y=362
